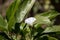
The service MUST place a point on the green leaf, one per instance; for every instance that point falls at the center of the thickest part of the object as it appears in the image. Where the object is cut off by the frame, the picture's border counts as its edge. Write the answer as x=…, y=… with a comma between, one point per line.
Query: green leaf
x=50, y=14
x=47, y=37
x=3, y=24
x=12, y=9
x=42, y=20
x=52, y=29
x=51, y=38
x=24, y=9
x=22, y=25
x=11, y=13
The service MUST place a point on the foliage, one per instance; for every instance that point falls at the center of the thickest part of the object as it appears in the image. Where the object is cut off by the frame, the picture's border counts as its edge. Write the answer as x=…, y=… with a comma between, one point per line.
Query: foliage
x=13, y=26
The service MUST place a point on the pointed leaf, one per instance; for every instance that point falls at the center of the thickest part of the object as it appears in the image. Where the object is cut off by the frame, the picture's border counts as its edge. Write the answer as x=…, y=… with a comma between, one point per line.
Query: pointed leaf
x=11, y=13
x=51, y=38
x=24, y=9
x=42, y=20
x=52, y=29
x=50, y=14
x=3, y=24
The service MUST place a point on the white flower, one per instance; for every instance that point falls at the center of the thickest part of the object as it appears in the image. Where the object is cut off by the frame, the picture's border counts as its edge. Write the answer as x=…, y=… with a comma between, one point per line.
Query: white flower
x=30, y=20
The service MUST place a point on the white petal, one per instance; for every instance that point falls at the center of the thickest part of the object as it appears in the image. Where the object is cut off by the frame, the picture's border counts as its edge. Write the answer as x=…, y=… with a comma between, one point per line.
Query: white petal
x=30, y=20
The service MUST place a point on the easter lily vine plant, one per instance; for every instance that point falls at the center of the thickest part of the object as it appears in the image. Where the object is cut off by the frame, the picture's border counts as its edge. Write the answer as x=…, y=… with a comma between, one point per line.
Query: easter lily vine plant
x=16, y=26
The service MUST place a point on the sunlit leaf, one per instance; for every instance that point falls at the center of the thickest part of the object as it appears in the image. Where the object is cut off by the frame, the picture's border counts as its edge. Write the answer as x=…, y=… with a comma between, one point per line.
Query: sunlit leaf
x=52, y=29
x=11, y=12
x=42, y=20
x=50, y=14
x=24, y=9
